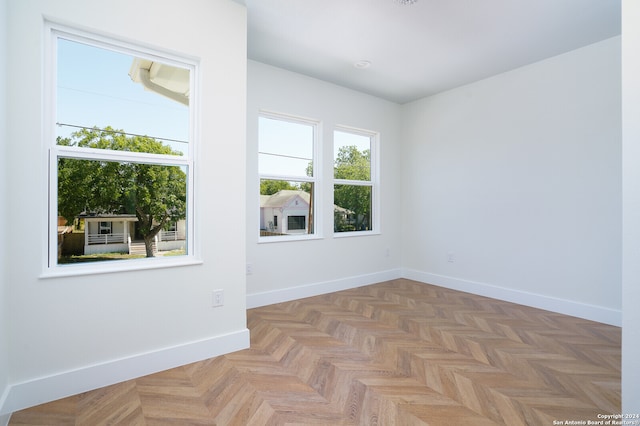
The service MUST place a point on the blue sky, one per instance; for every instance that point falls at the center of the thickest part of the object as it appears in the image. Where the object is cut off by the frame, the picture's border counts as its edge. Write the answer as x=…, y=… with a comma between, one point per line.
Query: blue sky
x=94, y=89
x=280, y=142
x=286, y=147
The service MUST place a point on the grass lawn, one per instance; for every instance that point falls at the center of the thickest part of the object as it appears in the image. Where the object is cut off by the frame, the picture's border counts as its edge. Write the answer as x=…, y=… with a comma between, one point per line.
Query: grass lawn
x=98, y=257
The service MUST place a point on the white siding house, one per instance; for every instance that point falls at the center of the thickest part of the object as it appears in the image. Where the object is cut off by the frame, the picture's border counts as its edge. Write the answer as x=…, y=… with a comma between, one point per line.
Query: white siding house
x=285, y=212
x=108, y=234
x=116, y=233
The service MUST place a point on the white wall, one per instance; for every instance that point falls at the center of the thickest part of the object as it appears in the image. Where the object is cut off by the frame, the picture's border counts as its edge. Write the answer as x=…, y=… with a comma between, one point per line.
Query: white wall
x=631, y=206
x=4, y=304
x=515, y=175
x=518, y=177
x=287, y=270
x=71, y=334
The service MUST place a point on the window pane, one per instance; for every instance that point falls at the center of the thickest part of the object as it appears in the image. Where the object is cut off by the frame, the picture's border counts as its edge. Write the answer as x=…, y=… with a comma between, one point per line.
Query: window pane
x=352, y=208
x=116, y=92
x=285, y=148
x=120, y=210
x=352, y=156
x=286, y=208
x=297, y=222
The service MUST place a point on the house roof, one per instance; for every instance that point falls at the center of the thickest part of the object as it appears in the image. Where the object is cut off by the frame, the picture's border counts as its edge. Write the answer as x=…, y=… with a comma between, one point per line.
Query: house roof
x=283, y=198
x=107, y=217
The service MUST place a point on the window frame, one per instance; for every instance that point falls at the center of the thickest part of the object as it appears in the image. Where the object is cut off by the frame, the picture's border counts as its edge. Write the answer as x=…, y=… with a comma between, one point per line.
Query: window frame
x=52, y=152
x=314, y=180
x=373, y=182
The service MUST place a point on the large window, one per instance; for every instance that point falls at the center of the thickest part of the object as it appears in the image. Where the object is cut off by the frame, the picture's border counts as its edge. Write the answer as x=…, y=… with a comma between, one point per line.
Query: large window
x=120, y=153
x=287, y=166
x=354, y=190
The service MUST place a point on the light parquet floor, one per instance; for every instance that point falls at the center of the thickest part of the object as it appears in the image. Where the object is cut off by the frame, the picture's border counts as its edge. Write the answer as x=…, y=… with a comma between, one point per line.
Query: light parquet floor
x=394, y=353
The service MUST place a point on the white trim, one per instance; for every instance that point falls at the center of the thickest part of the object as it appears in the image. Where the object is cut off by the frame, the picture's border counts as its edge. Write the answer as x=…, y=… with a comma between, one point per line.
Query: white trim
x=316, y=180
x=562, y=306
x=287, y=237
x=351, y=182
x=116, y=44
x=287, y=178
x=540, y=301
x=61, y=151
x=52, y=34
x=293, y=293
x=92, y=268
x=44, y=389
x=347, y=234
x=373, y=182
x=283, y=116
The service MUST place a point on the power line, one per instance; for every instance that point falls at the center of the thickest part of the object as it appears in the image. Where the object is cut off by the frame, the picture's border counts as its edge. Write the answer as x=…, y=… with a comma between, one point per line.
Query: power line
x=119, y=132
x=285, y=156
x=122, y=98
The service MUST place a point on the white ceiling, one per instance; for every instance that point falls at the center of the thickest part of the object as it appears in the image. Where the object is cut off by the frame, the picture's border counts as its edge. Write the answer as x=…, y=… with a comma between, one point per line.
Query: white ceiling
x=422, y=49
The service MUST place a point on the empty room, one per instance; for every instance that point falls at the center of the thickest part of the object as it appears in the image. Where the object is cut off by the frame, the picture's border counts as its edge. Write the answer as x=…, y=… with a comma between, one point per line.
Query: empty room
x=248, y=212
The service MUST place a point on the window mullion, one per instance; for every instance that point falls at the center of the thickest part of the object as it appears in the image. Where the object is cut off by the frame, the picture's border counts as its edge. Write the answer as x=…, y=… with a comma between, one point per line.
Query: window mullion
x=111, y=155
x=288, y=178
x=353, y=182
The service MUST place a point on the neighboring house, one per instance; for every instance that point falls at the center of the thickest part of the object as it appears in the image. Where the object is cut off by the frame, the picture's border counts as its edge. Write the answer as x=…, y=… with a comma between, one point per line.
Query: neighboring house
x=343, y=219
x=117, y=233
x=285, y=212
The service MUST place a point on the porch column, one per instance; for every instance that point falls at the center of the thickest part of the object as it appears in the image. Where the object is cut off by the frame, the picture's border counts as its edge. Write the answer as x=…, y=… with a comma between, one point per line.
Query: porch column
x=126, y=232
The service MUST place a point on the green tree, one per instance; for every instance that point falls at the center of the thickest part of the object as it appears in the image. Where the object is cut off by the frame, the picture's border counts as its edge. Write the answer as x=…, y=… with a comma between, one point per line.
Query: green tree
x=353, y=164
x=269, y=186
x=156, y=194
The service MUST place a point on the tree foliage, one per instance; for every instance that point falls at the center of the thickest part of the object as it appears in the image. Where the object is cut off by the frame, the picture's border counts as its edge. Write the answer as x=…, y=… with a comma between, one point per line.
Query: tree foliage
x=269, y=186
x=156, y=194
x=355, y=165
x=352, y=164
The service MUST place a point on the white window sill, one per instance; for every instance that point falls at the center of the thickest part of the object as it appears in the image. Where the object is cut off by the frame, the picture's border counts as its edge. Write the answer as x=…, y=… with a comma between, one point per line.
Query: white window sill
x=355, y=234
x=288, y=238
x=115, y=266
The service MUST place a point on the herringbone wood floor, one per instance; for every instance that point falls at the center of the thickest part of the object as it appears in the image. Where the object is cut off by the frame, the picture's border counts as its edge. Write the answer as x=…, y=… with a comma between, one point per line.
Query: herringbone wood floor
x=395, y=353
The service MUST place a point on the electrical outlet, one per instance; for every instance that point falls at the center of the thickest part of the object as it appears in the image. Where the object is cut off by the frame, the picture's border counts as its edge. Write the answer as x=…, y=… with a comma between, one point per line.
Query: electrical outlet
x=249, y=269
x=218, y=298
x=451, y=257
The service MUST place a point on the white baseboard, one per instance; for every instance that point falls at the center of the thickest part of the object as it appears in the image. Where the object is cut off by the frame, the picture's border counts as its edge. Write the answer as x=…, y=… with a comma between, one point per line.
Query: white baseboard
x=46, y=389
x=562, y=306
x=292, y=293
